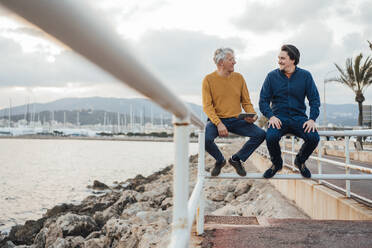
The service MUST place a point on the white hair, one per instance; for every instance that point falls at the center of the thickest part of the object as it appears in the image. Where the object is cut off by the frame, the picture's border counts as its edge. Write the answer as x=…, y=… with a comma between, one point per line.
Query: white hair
x=220, y=54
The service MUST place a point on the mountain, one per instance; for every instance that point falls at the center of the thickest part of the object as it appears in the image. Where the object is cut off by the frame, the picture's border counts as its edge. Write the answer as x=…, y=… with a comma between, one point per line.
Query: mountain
x=92, y=110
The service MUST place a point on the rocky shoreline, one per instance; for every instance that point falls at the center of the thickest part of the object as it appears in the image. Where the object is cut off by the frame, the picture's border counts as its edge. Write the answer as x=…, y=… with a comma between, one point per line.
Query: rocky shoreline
x=137, y=213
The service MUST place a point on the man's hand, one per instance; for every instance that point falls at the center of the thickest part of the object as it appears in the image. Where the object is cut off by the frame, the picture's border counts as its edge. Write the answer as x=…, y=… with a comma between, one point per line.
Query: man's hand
x=309, y=126
x=275, y=122
x=251, y=119
x=222, y=130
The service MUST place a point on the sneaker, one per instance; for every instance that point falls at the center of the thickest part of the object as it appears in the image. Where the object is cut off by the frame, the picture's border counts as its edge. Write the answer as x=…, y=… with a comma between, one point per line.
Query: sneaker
x=269, y=173
x=217, y=168
x=303, y=169
x=238, y=167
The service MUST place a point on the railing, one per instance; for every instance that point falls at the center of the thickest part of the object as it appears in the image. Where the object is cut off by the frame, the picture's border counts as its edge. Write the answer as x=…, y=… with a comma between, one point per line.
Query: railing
x=347, y=165
x=82, y=30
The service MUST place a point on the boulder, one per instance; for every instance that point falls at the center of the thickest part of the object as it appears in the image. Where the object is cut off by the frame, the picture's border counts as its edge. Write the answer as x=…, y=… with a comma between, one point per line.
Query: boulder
x=218, y=196
x=242, y=188
x=97, y=185
x=25, y=234
x=75, y=225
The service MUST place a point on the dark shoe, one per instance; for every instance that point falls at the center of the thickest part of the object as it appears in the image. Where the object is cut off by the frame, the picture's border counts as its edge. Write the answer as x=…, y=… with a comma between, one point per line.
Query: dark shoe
x=238, y=167
x=269, y=173
x=217, y=168
x=303, y=169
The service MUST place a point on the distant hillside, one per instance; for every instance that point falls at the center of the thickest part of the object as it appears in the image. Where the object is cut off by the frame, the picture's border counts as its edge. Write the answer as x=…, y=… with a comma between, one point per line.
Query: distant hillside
x=92, y=110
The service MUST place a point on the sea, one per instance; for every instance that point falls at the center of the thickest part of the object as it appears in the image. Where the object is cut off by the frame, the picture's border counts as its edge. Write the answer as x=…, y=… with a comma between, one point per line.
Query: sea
x=37, y=174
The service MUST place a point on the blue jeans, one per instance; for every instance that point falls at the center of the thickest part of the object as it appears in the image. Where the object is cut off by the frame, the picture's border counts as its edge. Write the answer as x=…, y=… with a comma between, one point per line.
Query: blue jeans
x=240, y=127
x=290, y=126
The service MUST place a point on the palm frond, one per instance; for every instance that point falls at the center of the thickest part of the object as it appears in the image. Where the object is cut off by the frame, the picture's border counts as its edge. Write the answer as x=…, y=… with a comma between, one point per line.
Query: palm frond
x=349, y=69
x=364, y=69
x=357, y=68
x=340, y=70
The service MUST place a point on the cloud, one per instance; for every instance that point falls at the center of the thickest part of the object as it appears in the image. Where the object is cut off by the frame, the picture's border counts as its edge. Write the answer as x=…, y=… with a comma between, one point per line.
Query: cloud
x=182, y=58
x=33, y=69
x=281, y=16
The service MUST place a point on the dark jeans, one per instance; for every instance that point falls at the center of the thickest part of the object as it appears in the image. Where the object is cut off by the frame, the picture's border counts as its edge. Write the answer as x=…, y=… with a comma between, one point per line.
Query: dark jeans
x=240, y=127
x=290, y=126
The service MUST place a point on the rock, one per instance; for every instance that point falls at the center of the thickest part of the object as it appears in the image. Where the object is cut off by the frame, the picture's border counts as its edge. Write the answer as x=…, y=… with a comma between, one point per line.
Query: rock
x=95, y=243
x=133, y=209
x=60, y=243
x=193, y=158
x=49, y=235
x=218, y=196
x=75, y=225
x=25, y=234
x=129, y=241
x=116, y=228
x=242, y=188
x=8, y=244
x=166, y=203
x=229, y=197
x=76, y=242
x=94, y=235
x=227, y=210
x=128, y=197
x=97, y=185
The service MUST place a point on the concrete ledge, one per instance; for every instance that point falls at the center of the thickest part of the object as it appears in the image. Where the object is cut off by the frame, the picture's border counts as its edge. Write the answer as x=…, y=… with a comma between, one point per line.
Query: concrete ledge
x=316, y=200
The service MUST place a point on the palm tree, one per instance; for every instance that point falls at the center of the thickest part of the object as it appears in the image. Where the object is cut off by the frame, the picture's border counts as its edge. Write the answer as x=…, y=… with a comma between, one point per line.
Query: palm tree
x=370, y=44
x=357, y=77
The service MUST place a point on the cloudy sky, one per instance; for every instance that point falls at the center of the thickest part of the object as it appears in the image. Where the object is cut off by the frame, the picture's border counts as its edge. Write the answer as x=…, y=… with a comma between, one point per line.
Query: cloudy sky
x=176, y=39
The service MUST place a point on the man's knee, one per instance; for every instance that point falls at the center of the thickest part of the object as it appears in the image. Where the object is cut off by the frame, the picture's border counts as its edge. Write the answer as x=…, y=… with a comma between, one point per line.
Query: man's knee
x=209, y=140
x=272, y=137
x=312, y=138
x=261, y=135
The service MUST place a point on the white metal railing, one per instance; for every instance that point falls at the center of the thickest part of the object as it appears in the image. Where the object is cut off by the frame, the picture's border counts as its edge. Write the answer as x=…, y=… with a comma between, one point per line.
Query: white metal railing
x=346, y=165
x=81, y=29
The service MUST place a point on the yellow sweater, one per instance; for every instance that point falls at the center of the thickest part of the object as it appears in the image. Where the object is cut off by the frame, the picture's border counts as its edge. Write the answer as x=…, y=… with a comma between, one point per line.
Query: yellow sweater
x=224, y=97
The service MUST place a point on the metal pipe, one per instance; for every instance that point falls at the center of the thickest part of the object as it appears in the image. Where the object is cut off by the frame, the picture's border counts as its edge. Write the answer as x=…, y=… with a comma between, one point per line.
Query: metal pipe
x=294, y=176
x=201, y=176
x=293, y=149
x=347, y=161
x=320, y=150
x=85, y=31
x=192, y=203
x=341, y=164
x=180, y=182
x=366, y=132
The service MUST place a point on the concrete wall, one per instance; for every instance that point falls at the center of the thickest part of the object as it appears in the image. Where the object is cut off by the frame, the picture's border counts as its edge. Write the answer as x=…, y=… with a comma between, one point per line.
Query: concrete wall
x=316, y=200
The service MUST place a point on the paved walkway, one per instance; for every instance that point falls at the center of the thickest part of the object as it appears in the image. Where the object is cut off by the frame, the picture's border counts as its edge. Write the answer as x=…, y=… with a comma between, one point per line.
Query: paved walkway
x=249, y=232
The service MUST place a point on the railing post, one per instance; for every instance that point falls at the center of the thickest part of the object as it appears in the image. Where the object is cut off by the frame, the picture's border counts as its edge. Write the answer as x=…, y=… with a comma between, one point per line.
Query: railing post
x=293, y=150
x=180, y=183
x=347, y=161
x=320, y=150
x=201, y=176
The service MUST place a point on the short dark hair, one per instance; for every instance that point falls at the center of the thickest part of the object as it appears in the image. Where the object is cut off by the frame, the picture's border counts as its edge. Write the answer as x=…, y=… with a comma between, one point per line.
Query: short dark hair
x=292, y=52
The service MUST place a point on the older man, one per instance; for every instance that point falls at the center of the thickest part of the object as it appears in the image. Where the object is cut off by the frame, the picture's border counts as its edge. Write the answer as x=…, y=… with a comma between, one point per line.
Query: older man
x=224, y=94
x=282, y=101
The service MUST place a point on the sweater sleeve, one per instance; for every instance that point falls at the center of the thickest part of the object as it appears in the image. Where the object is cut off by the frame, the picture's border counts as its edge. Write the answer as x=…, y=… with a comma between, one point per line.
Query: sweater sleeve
x=208, y=103
x=246, y=100
x=313, y=97
x=265, y=98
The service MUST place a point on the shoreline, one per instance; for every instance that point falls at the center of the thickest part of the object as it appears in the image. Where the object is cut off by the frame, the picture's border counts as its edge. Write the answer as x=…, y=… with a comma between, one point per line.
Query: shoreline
x=137, y=212
x=133, y=138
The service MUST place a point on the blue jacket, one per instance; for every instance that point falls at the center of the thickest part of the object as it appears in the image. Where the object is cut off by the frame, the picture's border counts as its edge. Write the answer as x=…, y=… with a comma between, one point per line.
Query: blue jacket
x=287, y=95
